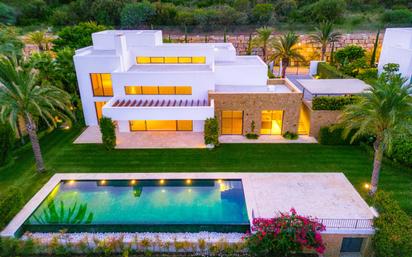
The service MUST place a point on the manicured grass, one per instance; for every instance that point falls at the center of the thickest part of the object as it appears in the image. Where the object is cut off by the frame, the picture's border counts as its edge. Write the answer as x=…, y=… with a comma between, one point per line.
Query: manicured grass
x=63, y=156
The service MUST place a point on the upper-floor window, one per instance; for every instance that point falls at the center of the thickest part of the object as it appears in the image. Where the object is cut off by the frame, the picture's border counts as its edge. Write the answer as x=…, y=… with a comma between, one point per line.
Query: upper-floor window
x=158, y=90
x=101, y=84
x=171, y=59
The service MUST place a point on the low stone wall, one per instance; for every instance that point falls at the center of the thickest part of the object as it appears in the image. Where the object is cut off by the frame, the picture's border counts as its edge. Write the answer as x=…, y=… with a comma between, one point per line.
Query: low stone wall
x=310, y=50
x=252, y=105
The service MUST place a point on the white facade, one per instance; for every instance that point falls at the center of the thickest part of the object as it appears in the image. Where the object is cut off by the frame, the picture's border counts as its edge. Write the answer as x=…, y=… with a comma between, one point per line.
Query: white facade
x=115, y=52
x=397, y=48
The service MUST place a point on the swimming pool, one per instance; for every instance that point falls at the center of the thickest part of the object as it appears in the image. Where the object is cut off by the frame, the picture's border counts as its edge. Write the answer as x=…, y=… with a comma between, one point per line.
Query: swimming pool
x=175, y=205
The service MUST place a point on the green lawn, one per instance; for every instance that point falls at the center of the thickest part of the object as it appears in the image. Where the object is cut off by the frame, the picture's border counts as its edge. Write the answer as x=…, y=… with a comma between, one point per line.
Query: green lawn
x=63, y=156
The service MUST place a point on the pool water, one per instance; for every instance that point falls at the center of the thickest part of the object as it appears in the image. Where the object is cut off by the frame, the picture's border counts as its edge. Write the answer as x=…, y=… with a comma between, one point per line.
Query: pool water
x=144, y=205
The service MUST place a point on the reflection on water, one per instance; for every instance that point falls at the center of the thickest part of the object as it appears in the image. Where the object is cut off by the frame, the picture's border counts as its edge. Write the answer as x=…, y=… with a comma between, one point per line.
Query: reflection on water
x=76, y=214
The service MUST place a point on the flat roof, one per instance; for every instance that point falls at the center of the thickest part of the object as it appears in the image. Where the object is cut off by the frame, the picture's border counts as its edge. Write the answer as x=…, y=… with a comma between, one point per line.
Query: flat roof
x=242, y=60
x=320, y=195
x=253, y=89
x=333, y=86
x=169, y=67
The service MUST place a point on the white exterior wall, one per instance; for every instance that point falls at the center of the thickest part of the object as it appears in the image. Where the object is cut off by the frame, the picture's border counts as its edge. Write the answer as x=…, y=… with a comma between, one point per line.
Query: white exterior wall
x=397, y=48
x=115, y=52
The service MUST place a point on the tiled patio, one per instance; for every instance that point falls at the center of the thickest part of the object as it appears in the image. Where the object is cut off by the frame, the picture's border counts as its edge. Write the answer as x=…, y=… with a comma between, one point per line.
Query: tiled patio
x=268, y=139
x=147, y=139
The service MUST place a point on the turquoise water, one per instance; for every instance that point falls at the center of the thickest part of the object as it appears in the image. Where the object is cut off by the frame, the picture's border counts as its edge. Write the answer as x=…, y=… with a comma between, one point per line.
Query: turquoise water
x=146, y=202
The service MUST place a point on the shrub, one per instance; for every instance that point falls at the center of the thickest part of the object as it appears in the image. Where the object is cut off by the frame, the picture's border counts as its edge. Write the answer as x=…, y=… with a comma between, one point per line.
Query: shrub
x=7, y=139
x=400, y=16
x=333, y=103
x=284, y=235
x=108, y=130
x=327, y=71
x=290, y=135
x=393, y=236
x=349, y=54
x=329, y=136
x=369, y=75
x=402, y=150
x=327, y=10
x=211, y=134
x=136, y=14
x=7, y=14
x=262, y=13
x=10, y=203
x=252, y=134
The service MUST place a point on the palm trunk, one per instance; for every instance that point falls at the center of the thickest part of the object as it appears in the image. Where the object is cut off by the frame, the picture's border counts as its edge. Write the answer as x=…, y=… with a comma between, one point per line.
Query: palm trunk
x=285, y=64
x=31, y=130
x=323, y=53
x=264, y=51
x=377, y=162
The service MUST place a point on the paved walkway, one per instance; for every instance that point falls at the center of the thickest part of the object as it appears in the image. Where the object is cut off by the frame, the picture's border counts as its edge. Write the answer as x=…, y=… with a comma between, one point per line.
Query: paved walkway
x=268, y=139
x=147, y=139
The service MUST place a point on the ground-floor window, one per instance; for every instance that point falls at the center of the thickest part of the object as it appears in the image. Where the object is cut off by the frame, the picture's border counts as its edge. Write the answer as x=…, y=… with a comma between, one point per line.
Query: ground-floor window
x=161, y=125
x=351, y=245
x=271, y=122
x=304, y=122
x=99, y=106
x=232, y=122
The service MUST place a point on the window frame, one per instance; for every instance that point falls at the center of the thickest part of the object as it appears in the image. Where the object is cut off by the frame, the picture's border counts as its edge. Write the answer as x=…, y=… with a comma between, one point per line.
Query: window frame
x=101, y=84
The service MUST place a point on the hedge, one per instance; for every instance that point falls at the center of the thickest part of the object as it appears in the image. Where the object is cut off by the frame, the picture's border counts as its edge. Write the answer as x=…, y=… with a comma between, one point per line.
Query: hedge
x=10, y=203
x=327, y=71
x=393, y=236
x=332, y=103
x=108, y=130
x=328, y=136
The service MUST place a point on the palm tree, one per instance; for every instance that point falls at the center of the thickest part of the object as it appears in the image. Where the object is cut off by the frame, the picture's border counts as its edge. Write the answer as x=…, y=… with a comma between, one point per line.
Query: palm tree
x=262, y=39
x=41, y=39
x=285, y=49
x=325, y=35
x=20, y=96
x=384, y=112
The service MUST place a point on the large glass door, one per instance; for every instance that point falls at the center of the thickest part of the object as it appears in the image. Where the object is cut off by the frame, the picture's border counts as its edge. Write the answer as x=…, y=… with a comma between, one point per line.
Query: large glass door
x=232, y=122
x=271, y=122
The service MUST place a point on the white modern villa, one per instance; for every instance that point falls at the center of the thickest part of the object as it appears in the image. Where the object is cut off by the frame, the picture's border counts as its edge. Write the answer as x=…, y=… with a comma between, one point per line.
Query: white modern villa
x=397, y=48
x=143, y=84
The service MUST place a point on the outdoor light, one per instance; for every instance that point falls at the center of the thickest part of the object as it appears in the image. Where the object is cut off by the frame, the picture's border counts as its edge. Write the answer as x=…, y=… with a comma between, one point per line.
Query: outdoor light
x=133, y=182
x=71, y=182
x=103, y=182
x=162, y=181
x=367, y=186
x=219, y=181
x=188, y=181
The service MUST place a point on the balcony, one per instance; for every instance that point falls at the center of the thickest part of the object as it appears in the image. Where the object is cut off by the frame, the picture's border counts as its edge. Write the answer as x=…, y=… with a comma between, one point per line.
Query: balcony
x=159, y=109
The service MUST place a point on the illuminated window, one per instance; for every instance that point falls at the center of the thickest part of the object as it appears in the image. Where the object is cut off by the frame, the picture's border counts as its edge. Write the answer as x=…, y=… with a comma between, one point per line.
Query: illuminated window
x=304, y=121
x=171, y=59
x=232, y=122
x=161, y=125
x=198, y=59
x=98, y=106
x=133, y=90
x=185, y=59
x=143, y=59
x=184, y=125
x=101, y=84
x=150, y=90
x=156, y=60
x=183, y=90
x=158, y=90
x=167, y=90
x=271, y=122
x=137, y=125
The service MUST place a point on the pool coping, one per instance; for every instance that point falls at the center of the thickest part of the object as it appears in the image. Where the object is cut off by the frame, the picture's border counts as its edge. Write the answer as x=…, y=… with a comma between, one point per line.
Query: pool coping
x=250, y=193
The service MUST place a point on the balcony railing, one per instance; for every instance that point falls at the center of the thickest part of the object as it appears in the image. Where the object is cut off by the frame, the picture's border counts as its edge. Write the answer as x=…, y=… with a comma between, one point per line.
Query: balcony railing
x=347, y=223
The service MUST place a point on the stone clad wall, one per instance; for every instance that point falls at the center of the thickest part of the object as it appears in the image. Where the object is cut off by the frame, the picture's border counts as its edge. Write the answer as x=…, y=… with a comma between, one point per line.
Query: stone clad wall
x=320, y=119
x=334, y=243
x=252, y=104
x=310, y=50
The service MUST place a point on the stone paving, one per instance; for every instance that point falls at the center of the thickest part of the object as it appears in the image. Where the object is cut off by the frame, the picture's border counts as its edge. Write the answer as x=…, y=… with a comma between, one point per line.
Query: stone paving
x=266, y=139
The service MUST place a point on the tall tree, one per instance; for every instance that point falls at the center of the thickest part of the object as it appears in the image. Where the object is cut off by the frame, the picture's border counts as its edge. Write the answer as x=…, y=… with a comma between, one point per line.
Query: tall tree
x=383, y=112
x=375, y=48
x=285, y=49
x=40, y=39
x=262, y=39
x=20, y=96
x=325, y=35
